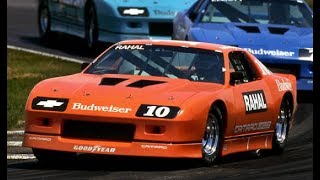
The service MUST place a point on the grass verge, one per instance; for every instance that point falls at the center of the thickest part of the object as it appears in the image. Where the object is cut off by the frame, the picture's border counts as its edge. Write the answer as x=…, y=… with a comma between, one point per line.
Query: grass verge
x=24, y=71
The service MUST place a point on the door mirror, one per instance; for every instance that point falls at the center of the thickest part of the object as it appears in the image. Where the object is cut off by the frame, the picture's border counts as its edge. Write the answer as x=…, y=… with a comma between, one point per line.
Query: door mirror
x=236, y=77
x=84, y=65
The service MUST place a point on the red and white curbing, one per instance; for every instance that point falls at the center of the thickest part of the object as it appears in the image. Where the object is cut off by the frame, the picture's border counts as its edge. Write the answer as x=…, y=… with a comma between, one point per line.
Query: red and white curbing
x=17, y=144
x=20, y=156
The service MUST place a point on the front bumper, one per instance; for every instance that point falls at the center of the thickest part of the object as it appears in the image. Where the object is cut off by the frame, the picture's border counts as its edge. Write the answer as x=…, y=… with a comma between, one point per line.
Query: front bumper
x=145, y=149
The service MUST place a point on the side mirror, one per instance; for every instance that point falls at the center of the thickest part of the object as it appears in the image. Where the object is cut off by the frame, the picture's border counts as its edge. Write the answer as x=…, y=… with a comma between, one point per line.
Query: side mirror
x=84, y=65
x=236, y=77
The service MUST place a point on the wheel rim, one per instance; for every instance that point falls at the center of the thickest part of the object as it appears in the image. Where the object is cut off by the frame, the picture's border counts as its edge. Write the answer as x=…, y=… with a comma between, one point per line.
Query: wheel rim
x=44, y=20
x=282, y=125
x=211, y=137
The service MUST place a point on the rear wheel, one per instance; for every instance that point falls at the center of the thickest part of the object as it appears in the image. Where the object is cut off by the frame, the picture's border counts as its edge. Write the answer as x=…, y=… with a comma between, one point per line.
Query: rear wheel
x=280, y=137
x=212, y=139
x=53, y=157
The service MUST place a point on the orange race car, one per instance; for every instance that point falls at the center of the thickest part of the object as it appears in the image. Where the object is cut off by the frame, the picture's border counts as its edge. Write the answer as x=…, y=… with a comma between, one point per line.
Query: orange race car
x=157, y=98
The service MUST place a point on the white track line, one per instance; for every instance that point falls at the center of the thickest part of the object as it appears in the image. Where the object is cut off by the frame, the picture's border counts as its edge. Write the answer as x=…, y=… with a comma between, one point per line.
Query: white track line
x=14, y=143
x=20, y=132
x=46, y=54
x=20, y=156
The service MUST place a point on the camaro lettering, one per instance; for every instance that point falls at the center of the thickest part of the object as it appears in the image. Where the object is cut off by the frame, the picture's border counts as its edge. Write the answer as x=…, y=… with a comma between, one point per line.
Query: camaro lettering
x=140, y=47
x=270, y=52
x=40, y=138
x=94, y=149
x=254, y=101
x=144, y=146
x=252, y=127
x=93, y=107
x=283, y=86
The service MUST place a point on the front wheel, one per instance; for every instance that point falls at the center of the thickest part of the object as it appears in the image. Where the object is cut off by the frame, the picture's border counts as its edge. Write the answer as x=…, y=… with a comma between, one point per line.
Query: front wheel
x=91, y=27
x=212, y=139
x=280, y=137
x=44, y=22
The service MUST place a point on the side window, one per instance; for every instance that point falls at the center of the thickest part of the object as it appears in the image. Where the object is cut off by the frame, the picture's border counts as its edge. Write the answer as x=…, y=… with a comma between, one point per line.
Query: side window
x=195, y=11
x=239, y=63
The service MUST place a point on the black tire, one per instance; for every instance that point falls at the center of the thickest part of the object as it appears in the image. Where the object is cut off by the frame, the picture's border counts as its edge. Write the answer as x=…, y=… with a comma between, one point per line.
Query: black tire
x=91, y=27
x=51, y=157
x=211, y=154
x=280, y=138
x=44, y=23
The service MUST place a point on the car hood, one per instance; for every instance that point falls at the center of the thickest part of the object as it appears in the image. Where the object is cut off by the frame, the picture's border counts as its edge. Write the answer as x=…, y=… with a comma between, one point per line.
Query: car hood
x=124, y=90
x=260, y=39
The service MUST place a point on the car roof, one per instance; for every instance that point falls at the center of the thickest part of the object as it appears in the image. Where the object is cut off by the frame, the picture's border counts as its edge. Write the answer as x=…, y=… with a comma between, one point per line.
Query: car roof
x=191, y=44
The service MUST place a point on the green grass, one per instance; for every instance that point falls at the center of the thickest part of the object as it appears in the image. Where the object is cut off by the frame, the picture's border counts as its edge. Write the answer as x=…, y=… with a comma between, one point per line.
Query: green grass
x=310, y=3
x=25, y=70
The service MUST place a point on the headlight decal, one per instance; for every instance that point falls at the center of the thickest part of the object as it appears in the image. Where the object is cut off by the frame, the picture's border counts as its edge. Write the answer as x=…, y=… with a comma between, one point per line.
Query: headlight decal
x=148, y=110
x=50, y=104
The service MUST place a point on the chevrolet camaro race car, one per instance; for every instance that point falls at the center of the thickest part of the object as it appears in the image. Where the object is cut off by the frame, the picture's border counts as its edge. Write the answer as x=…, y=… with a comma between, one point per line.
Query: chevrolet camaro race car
x=109, y=20
x=278, y=32
x=162, y=98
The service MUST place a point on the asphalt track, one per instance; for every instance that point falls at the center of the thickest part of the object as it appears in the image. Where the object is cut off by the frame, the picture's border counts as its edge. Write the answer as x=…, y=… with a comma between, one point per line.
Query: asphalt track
x=295, y=163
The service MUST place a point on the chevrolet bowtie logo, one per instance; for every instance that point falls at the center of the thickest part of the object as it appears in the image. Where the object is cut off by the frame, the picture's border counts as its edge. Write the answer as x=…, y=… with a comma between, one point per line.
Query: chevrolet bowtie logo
x=49, y=103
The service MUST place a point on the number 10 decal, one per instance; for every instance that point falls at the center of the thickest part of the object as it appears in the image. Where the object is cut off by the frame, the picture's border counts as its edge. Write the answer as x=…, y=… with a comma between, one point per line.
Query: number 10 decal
x=146, y=110
x=161, y=111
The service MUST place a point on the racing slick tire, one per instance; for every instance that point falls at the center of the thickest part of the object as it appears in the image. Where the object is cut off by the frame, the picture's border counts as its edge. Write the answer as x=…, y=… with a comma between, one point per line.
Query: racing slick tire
x=91, y=27
x=281, y=132
x=212, y=139
x=50, y=157
x=44, y=23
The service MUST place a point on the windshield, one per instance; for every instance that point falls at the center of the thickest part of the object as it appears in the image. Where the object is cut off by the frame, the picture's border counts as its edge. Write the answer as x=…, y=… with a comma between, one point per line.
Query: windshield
x=165, y=61
x=258, y=11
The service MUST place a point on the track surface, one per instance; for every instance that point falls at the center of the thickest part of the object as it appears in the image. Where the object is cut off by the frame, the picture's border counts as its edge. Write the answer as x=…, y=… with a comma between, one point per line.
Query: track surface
x=295, y=163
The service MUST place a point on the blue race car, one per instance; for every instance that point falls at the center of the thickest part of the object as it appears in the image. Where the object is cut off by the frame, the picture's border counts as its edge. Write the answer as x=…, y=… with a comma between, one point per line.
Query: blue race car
x=278, y=32
x=109, y=20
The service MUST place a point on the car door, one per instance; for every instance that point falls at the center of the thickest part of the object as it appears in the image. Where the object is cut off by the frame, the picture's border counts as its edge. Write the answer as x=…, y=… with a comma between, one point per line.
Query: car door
x=186, y=20
x=252, y=97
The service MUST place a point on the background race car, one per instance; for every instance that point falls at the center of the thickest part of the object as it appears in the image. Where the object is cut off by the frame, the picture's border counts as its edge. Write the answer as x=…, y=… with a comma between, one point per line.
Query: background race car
x=278, y=33
x=109, y=20
x=157, y=98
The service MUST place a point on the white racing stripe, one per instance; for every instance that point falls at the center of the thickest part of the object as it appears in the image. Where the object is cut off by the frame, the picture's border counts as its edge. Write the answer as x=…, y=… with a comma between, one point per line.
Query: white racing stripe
x=14, y=143
x=20, y=156
x=45, y=54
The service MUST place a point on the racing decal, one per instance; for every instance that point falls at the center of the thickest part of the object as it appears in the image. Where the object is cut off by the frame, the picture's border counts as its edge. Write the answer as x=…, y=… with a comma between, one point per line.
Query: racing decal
x=283, y=86
x=268, y=52
x=94, y=149
x=50, y=104
x=39, y=138
x=254, y=101
x=133, y=11
x=131, y=46
x=147, y=146
x=252, y=127
x=159, y=12
x=168, y=112
x=93, y=107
